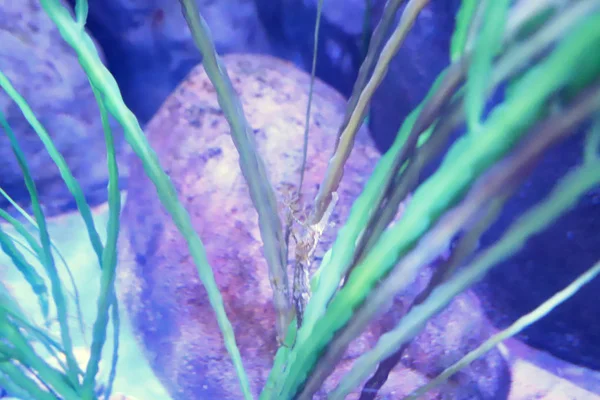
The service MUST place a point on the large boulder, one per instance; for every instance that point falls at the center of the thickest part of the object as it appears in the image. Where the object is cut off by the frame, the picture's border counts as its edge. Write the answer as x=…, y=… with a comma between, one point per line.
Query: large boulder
x=149, y=47
x=158, y=282
x=548, y=262
x=46, y=72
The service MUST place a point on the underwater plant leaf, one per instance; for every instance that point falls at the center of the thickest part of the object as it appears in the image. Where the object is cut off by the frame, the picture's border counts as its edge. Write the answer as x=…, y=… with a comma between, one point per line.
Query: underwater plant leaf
x=339, y=259
x=335, y=168
x=35, y=281
x=506, y=173
x=333, y=267
x=29, y=272
x=467, y=245
x=330, y=273
x=36, y=250
x=48, y=259
x=519, y=55
x=463, y=19
x=514, y=58
x=18, y=207
x=487, y=46
x=563, y=197
x=251, y=164
x=19, y=385
x=592, y=143
x=7, y=303
x=310, y=93
x=469, y=157
x=537, y=21
x=107, y=298
x=116, y=321
x=29, y=358
x=81, y=12
x=349, y=234
x=405, y=169
x=34, y=247
x=58, y=159
x=366, y=68
x=105, y=83
x=11, y=308
x=589, y=69
x=528, y=319
x=279, y=362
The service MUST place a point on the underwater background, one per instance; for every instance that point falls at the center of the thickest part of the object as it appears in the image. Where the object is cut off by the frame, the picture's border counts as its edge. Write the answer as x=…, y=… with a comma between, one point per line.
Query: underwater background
x=171, y=344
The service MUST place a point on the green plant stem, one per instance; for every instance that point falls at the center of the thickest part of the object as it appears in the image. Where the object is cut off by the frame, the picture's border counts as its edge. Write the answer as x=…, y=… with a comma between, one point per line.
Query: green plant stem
x=107, y=297
x=35, y=249
x=468, y=158
x=366, y=68
x=28, y=357
x=562, y=198
x=310, y=94
x=37, y=334
x=528, y=319
x=464, y=20
x=504, y=175
x=47, y=259
x=509, y=64
x=16, y=377
x=251, y=164
x=104, y=82
x=487, y=45
x=31, y=276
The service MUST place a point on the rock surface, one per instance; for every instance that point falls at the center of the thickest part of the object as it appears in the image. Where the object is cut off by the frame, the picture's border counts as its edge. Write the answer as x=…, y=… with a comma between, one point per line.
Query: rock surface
x=549, y=262
x=151, y=42
x=46, y=72
x=159, y=284
x=149, y=47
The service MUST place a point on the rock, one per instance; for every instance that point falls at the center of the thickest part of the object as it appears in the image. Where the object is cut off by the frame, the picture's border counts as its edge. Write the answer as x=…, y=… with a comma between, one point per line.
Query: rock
x=549, y=262
x=537, y=374
x=291, y=25
x=149, y=47
x=46, y=72
x=458, y=329
x=158, y=282
x=152, y=43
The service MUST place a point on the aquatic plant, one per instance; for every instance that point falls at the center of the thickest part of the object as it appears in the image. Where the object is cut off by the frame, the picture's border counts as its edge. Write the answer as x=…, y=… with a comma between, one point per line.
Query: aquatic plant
x=533, y=49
